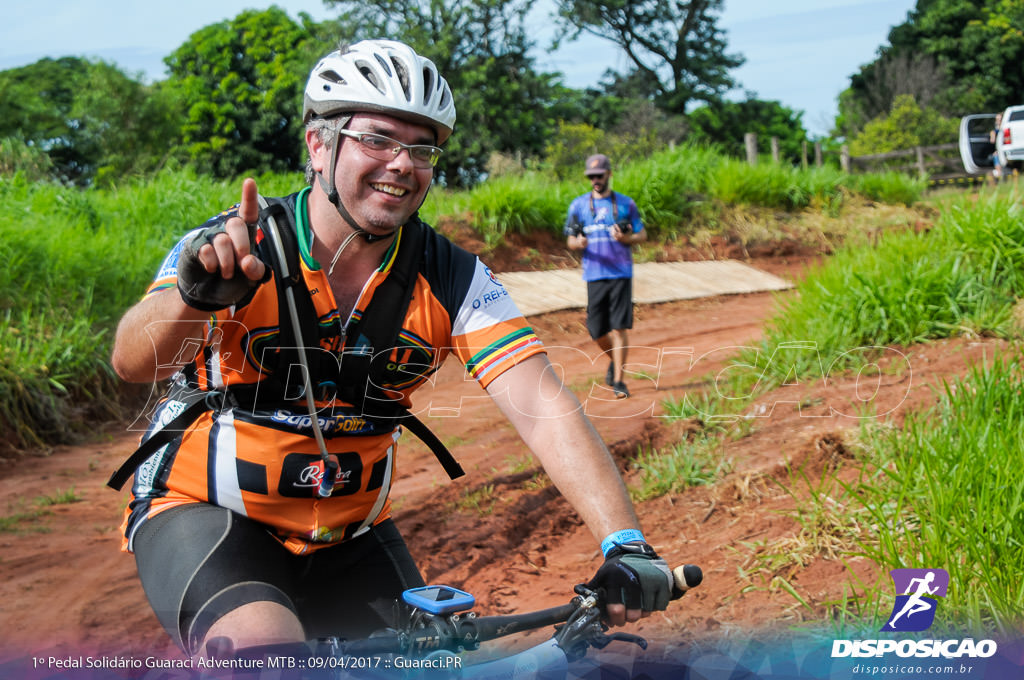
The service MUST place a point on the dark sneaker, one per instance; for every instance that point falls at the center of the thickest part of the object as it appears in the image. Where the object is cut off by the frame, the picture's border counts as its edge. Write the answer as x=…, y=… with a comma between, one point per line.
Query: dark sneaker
x=621, y=392
x=609, y=376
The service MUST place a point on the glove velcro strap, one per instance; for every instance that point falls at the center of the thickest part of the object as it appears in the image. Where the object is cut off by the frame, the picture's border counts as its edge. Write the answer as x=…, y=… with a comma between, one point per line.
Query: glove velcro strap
x=196, y=303
x=620, y=537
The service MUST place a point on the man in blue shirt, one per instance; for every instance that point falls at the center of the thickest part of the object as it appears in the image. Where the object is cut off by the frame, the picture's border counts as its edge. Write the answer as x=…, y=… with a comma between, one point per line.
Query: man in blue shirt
x=604, y=225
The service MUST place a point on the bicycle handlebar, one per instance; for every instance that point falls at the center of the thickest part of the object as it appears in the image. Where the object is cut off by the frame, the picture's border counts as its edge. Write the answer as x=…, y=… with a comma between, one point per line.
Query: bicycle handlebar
x=469, y=630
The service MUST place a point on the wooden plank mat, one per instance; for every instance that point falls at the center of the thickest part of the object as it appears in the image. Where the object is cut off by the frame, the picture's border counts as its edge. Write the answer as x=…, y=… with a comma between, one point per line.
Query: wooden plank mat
x=549, y=291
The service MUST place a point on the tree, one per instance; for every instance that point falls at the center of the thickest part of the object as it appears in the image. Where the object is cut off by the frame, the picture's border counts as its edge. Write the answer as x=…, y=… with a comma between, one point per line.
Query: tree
x=130, y=125
x=676, y=47
x=481, y=48
x=954, y=56
x=724, y=123
x=36, y=103
x=640, y=131
x=891, y=75
x=905, y=126
x=87, y=117
x=240, y=85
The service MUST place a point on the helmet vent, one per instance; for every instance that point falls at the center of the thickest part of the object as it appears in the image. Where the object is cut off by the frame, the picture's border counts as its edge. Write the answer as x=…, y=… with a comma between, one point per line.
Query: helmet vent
x=403, y=77
x=333, y=77
x=428, y=84
x=383, y=63
x=371, y=77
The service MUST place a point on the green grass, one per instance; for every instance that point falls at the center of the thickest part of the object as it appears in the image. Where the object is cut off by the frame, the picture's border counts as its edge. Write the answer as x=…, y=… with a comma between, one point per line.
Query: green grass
x=27, y=519
x=479, y=501
x=678, y=467
x=670, y=189
x=59, y=498
x=949, y=484
x=71, y=262
x=942, y=491
x=961, y=278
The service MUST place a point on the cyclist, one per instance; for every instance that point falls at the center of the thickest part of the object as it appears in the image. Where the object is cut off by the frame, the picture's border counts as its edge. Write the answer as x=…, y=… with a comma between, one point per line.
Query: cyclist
x=230, y=536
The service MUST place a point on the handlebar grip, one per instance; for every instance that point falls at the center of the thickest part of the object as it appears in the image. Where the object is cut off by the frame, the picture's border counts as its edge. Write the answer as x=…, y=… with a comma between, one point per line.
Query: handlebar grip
x=388, y=643
x=491, y=627
x=685, y=576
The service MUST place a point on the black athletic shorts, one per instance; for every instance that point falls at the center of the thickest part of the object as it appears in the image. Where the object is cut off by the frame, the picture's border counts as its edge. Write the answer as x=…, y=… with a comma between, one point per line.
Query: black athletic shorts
x=609, y=306
x=198, y=562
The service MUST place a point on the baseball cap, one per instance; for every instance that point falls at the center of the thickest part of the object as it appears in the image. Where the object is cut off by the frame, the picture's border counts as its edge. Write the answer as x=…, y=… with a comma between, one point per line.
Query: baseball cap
x=598, y=164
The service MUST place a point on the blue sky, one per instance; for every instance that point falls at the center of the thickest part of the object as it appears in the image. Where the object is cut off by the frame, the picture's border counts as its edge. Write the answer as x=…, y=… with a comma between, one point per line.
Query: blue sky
x=799, y=52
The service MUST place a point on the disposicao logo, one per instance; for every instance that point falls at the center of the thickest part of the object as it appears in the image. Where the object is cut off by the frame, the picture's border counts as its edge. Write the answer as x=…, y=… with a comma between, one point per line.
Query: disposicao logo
x=916, y=590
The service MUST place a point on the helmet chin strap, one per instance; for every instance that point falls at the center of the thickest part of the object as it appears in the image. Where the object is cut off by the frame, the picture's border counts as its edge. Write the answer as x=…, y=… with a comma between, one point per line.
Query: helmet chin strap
x=331, y=189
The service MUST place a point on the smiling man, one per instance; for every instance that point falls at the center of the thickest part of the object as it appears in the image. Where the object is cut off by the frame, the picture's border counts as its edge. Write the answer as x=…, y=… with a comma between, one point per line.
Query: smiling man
x=260, y=507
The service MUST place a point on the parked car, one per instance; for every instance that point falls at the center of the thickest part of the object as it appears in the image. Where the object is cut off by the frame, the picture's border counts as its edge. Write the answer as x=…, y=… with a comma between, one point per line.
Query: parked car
x=976, y=148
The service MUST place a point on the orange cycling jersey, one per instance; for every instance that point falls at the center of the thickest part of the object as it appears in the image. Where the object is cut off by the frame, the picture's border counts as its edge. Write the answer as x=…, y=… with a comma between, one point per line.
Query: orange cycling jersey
x=263, y=461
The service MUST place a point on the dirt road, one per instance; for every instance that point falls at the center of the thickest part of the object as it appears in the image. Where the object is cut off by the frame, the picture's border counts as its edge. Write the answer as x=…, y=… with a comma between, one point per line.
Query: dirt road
x=499, y=532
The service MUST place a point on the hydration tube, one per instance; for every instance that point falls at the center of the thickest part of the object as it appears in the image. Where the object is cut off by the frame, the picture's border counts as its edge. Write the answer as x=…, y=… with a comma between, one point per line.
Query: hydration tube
x=330, y=466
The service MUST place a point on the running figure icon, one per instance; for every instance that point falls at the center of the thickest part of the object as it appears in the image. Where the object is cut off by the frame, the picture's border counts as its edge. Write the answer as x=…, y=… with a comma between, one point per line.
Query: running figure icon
x=918, y=590
x=916, y=603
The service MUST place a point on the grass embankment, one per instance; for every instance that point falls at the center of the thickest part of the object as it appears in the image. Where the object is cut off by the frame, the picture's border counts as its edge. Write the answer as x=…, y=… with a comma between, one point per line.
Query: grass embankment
x=71, y=261
x=944, y=490
x=674, y=190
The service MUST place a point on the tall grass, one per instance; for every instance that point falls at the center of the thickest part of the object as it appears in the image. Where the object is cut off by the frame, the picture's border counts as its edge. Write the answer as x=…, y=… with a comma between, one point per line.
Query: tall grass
x=960, y=278
x=71, y=261
x=945, y=491
x=669, y=187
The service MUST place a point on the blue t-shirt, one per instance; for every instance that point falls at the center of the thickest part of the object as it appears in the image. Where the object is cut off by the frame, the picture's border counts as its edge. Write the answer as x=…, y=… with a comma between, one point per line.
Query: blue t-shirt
x=604, y=257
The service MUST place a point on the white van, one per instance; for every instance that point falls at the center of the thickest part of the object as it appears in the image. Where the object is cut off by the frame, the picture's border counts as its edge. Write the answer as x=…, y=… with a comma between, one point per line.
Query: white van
x=977, y=150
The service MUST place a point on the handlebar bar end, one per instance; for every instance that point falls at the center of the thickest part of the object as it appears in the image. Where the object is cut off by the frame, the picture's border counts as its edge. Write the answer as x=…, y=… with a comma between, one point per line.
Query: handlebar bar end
x=686, y=576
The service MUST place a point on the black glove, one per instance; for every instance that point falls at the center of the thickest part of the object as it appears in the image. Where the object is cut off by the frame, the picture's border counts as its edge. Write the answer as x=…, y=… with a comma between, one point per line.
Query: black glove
x=634, y=575
x=209, y=291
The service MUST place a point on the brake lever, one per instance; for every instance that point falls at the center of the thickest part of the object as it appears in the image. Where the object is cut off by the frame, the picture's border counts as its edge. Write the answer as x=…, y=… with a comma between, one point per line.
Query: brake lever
x=602, y=640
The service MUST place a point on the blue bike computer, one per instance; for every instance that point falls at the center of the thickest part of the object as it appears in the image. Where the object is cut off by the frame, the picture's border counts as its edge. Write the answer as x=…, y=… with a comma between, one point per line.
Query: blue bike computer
x=439, y=599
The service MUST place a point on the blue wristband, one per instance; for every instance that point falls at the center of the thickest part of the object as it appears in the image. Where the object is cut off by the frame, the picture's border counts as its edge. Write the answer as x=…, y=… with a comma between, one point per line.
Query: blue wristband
x=624, y=536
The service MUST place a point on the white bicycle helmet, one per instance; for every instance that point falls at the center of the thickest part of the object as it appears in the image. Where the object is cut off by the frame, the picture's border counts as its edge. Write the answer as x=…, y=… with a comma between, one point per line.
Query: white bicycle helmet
x=385, y=76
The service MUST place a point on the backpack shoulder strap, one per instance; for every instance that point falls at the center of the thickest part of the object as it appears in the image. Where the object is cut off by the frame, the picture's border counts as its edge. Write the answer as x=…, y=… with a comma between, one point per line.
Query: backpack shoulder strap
x=376, y=334
x=288, y=279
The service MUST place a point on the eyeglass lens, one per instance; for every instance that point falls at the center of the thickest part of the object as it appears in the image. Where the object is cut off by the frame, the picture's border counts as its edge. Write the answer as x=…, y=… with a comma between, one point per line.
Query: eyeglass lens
x=385, y=149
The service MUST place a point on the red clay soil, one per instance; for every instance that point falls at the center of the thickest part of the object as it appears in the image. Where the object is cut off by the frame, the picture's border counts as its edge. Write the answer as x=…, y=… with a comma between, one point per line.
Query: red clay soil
x=500, y=532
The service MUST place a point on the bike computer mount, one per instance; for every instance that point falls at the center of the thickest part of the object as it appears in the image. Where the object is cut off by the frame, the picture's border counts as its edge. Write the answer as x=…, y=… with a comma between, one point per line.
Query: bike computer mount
x=438, y=599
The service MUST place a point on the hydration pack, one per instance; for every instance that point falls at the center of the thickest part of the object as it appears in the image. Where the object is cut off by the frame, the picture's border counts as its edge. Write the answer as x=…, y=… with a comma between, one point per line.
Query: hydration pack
x=359, y=377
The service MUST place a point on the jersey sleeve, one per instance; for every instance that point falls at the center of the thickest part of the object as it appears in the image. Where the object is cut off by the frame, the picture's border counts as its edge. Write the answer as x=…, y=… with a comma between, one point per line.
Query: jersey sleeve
x=489, y=333
x=167, y=276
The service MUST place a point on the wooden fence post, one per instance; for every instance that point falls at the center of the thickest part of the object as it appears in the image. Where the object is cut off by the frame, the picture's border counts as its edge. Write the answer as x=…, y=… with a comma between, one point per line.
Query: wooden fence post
x=844, y=158
x=775, y=150
x=817, y=154
x=919, y=153
x=750, y=141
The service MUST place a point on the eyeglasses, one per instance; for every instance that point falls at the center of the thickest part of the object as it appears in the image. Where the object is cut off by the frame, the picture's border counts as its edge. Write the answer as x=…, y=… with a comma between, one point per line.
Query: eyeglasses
x=386, y=149
x=601, y=177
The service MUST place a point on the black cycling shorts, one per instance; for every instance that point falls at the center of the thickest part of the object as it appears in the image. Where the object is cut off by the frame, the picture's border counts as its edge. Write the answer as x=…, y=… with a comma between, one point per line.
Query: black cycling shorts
x=609, y=306
x=198, y=562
